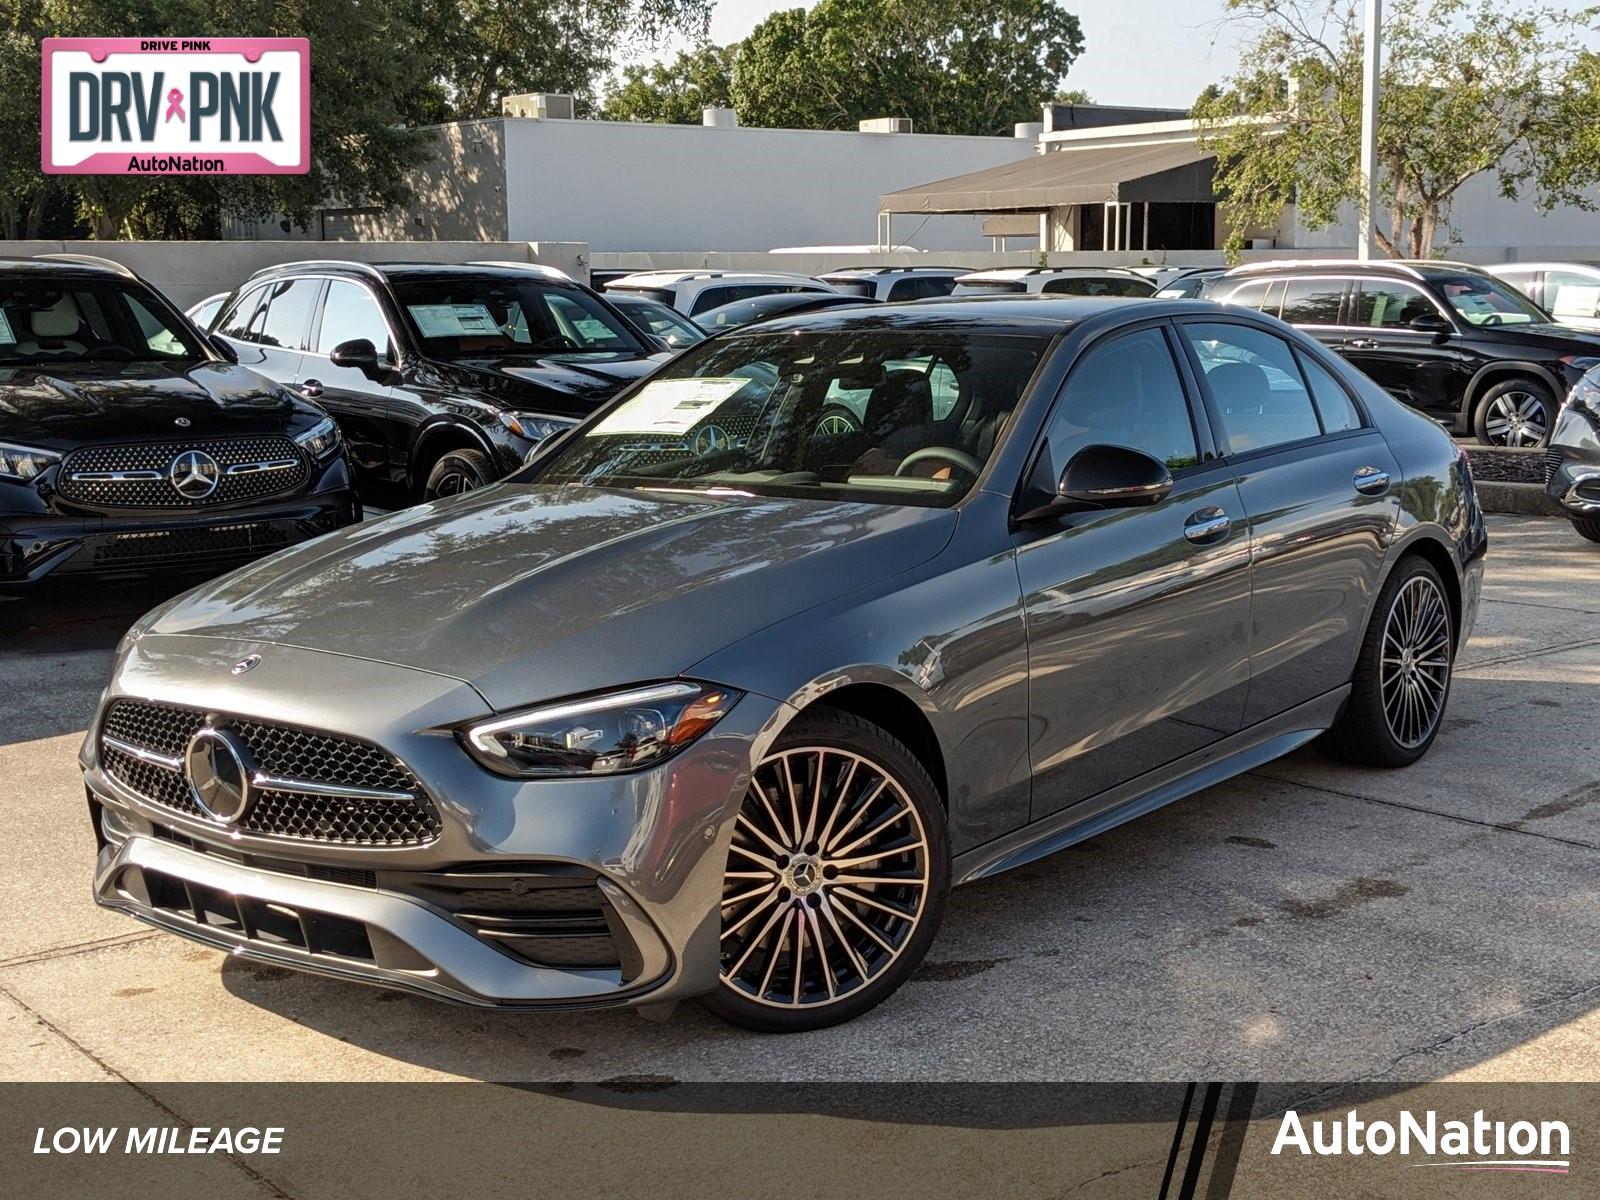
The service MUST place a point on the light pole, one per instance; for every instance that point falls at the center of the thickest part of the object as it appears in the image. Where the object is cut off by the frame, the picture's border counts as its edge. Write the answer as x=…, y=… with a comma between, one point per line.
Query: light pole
x=1372, y=51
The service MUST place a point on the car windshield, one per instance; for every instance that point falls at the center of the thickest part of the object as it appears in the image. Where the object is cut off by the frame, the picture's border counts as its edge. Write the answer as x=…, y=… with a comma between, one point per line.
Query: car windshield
x=492, y=316
x=1482, y=300
x=668, y=324
x=886, y=416
x=89, y=320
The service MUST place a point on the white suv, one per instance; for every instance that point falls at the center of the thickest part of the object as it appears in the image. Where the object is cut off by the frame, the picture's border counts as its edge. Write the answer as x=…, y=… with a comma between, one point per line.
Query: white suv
x=1068, y=281
x=692, y=292
x=1568, y=291
x=894, y=283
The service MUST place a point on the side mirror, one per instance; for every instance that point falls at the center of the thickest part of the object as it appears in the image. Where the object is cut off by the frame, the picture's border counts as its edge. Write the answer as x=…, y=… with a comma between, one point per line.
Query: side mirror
x=223, y=348
x=1431, y=323
x=358, y=353
x=1101, y=476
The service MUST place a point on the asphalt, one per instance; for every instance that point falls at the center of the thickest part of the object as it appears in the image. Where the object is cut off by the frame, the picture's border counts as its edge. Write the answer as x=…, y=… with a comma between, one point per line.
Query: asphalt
x=1306, y=922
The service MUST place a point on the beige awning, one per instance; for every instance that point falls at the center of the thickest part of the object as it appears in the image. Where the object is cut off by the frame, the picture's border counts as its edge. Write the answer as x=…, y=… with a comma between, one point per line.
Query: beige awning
x=1094, y=175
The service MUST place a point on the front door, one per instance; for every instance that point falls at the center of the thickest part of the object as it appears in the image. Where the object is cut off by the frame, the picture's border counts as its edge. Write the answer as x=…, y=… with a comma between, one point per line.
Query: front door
x=1322, y=492
x=363, y=406
x=1419, y=367
x=1137, y=617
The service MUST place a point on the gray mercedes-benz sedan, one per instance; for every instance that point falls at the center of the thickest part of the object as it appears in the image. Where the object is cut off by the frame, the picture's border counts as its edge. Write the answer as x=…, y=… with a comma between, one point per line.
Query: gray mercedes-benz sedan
x=721, y=693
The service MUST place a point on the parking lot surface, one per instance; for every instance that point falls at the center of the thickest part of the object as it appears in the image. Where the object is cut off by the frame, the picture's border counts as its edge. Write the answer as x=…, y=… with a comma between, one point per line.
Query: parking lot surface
x=1309, y=921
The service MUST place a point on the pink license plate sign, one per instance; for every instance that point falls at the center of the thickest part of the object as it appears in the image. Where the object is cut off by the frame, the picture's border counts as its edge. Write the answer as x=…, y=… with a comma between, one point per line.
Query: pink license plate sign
x=177, y=106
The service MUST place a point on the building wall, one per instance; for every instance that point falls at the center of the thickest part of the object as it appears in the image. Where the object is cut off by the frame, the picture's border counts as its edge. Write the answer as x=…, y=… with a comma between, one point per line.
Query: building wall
x=623, y=186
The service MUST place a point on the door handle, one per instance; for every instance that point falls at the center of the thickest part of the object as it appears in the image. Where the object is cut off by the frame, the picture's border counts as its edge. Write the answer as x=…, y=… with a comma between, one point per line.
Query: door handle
x=1207, y=525
x=311, y=387
x=1360, y=343
x=1371, y=481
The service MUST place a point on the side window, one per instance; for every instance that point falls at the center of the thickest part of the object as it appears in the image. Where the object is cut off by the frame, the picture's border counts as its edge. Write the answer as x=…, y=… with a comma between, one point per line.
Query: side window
x=1312, y=301
x=289, y=314
x=349, y=312
x=1125, y=392
x=1384, y=305
x=156, y=335
x=1567, y=294
x=1249, y=295
x=1334, y=405
x=1258, y=388
x=237, y=320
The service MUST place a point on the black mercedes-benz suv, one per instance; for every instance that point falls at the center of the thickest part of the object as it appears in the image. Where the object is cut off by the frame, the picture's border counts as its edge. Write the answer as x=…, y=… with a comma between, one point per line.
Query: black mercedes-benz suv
x=443, y=377
x=128, y=442
x=1451, y=340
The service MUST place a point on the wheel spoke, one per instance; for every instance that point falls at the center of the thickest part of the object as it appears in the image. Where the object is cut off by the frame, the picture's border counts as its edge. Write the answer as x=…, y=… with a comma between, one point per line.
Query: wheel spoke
x=747, y=918
x=765, y=840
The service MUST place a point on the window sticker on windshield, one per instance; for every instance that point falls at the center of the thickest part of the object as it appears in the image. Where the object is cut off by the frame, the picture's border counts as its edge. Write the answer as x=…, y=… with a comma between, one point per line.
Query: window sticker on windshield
x=453, y=320
x=5, y=329
x=671, y=406
x=1475, y=304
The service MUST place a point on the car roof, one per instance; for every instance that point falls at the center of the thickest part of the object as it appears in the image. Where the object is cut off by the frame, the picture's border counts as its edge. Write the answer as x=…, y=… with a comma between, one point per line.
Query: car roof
x=1011, y=313
x=1583, y=264
x=74, y=265
x=1390, y=268
x=868, y=272
x=668, y=278
x=1012, y=273
x=400, y=270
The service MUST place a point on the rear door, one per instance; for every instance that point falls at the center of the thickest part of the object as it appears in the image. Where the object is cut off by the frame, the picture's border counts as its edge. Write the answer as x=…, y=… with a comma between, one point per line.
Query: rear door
x=364, y=407
x=1137, y=618
x=1321, y=490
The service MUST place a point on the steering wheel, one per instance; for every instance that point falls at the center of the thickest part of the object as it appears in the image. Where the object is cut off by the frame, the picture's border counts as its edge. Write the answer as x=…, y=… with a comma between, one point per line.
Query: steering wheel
x=949, y=454
x=1494, y=319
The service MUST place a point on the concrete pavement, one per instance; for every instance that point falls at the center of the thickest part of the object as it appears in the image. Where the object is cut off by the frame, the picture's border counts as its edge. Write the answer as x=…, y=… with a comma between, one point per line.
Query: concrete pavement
x=1308, y=922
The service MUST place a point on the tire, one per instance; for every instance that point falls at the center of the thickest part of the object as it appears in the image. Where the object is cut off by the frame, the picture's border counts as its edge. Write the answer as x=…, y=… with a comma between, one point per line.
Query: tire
x=1518, y=412
x=875, y=799
x=458, y=471
x=1588, y=527
x=1397, y=701
x=836, y=420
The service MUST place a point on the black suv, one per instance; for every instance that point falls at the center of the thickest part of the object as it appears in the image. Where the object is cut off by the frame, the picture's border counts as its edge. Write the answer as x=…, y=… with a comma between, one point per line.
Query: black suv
x=1453, y=341
x=127, y=442
x=443, y=377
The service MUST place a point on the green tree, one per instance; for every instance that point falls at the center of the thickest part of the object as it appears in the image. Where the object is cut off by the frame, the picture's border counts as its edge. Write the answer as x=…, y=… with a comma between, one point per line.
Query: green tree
x=1468, y=87
x=952, y=66
x=674, y=92
x=480, y=50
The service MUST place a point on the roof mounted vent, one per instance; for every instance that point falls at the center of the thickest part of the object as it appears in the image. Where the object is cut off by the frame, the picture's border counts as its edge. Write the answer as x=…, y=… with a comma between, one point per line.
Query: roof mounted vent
x=886, y=125
x=719, y=118
x=542, y=106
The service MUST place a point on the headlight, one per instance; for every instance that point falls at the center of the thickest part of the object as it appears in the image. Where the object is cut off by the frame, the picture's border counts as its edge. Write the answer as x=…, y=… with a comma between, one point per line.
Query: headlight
x=1585, y=394
x=321, y=440
x=23, y=463
x=535, y=427
x=601, y=735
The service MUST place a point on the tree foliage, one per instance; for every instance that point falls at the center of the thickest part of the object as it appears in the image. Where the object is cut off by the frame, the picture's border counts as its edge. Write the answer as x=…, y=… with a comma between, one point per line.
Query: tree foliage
x=1467, y=87
x=953, y=66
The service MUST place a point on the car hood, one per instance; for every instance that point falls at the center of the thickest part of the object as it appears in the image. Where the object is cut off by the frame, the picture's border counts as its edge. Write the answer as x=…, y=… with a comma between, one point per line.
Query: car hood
x=1545, y=337
x=532, y=592
x=62, y=405
x=562, y=387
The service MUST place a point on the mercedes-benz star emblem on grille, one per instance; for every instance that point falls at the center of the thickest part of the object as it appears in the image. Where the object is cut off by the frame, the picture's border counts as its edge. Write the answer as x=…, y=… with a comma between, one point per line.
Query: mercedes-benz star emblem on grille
x=219, y=771
x=181, y=422
x=711, y=439
x=248, y=663
x=194, y=474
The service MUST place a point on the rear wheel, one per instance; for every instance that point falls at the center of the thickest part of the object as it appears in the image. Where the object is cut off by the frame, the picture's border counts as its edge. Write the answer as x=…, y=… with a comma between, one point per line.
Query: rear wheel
x=458, y=471
x=1589, y=527
x=1516, y=413
x=1402, y=678
x=836, y=878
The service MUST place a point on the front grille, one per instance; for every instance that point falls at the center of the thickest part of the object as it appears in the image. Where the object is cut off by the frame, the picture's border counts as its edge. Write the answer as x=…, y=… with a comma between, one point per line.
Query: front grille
x=162, y=545
x=1552, y=464
x=254, y=468
x=257, y=920
x=304, y=765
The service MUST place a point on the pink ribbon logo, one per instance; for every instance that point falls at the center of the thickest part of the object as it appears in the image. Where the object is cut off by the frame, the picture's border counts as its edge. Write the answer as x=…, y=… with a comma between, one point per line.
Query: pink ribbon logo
x=175, y=105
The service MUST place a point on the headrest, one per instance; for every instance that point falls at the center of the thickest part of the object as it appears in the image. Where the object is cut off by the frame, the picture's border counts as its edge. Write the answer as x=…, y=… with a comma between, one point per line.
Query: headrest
x=60, y=320
x=1239, y=385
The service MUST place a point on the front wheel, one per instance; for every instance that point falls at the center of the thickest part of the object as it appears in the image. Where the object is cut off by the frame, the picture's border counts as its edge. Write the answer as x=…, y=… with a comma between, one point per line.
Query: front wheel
x=836, y=878
x=1402, y=677
x=1588, y=527
x=1515, y=413
x=458, y=471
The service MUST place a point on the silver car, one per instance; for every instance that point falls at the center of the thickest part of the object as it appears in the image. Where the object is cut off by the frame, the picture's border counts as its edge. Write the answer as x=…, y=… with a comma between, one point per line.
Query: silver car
x=717, y=698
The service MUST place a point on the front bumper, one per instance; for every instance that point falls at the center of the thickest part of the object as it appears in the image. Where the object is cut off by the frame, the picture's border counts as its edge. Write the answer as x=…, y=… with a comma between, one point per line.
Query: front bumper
x=1572, y=463
x=36, y=545
x=652, y=844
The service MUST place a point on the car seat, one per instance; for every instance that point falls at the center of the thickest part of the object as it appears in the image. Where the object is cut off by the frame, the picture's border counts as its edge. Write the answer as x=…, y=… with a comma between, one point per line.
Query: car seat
x=55, y=330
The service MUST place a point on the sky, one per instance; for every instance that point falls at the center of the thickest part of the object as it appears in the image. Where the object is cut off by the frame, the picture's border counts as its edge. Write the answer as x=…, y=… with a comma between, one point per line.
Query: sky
x=1156, y=53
